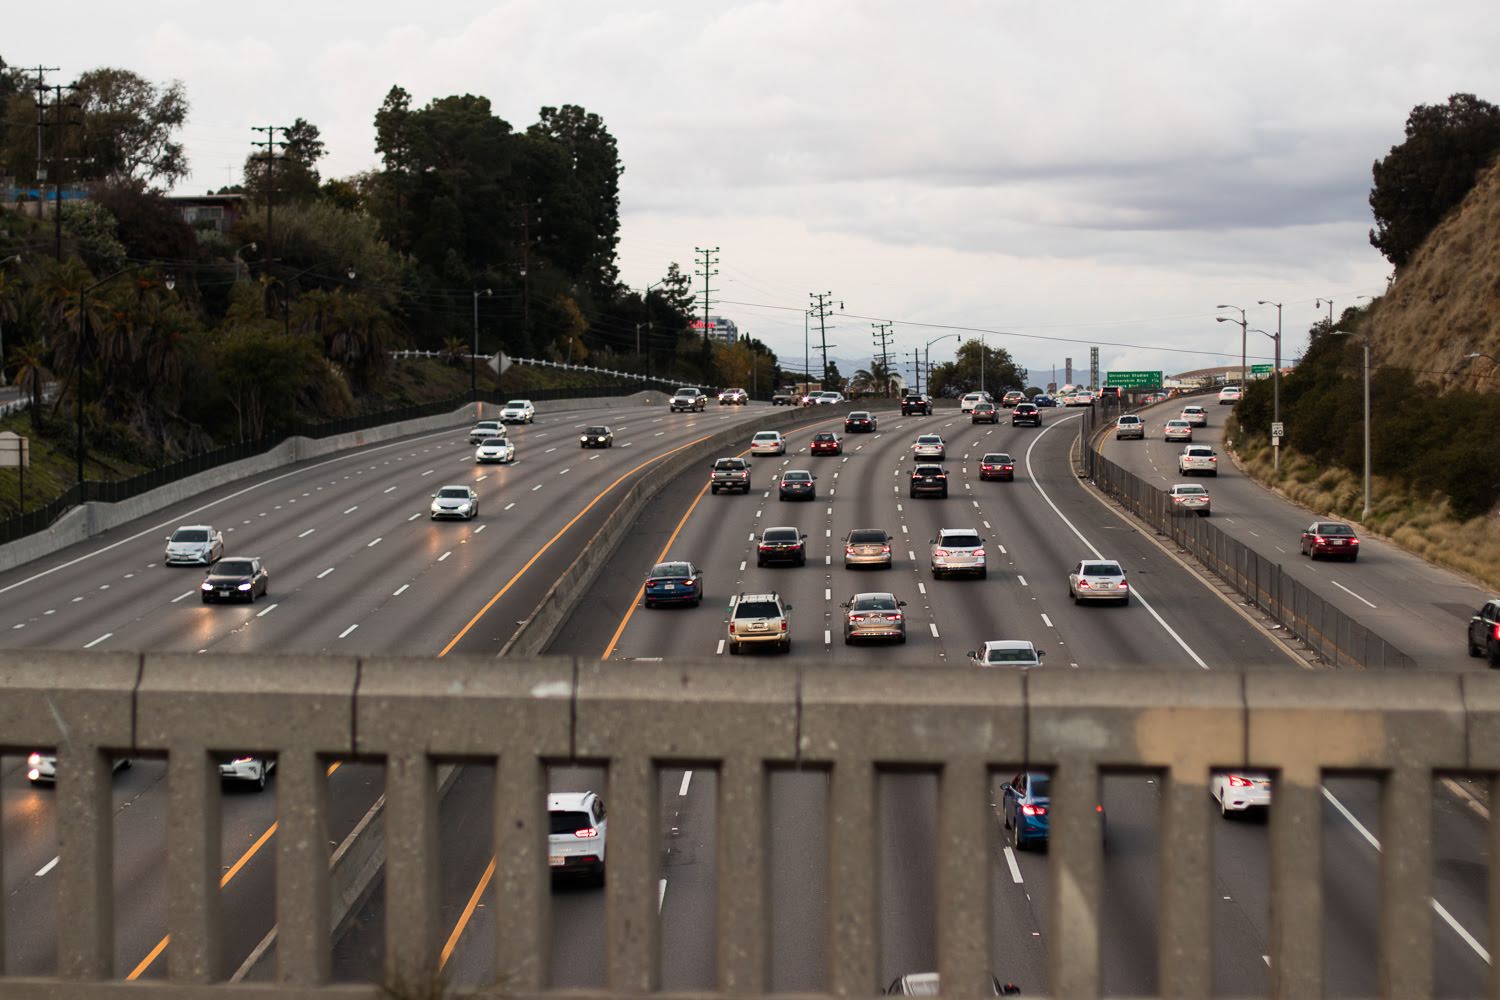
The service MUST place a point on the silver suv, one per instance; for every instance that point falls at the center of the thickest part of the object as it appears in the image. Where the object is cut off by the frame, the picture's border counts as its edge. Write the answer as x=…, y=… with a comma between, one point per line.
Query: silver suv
x=958, y=550
x=758, y=620
x=730, y=474
x=486, y=429
x=688, y=401
x=1130, y=426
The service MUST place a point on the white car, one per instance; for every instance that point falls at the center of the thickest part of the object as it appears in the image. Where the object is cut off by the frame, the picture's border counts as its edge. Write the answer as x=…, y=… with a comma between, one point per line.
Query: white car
x=929, y=447
x=577, y=833
x=1007, y=653
x=486, y=429
x=495, y=449
x=1177, y=430
x=969, y=401
x=455, y=501
x=41, y=768
x=1195, y=415
x=518, y=411
x=827, y=397
x=1230, y=394
x=734, y=397
x=1130, y=426
x=1189, y=498
x=1196, y=458
x=249, y=769
x=768, y=443
x=194, y=544
x=1238, y=791
x=1098, y=580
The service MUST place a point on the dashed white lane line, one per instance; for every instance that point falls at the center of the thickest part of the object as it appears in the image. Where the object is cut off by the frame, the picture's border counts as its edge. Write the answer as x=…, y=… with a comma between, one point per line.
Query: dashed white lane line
x=389, y=489
x=827, y=594
x=266, y=610
x=307, y=532
x=827, y=532
x=414, y=517
x=429, y=472
x=445, y=555
x=933, y=626
x=48, y=866
x=1015, y=869
x=103, y=586
x=905, y=530
x=911, y=555
x=324, y=573
x=985, y=523
x=377, y=541
x=480, y=528
x=827, y=637
x=550, y=450
x=593, y=458
x=720, y=650
x=182, y=597
x=351, y=510
x=565, y=471
x=921, y=587
x=1351, y=593
x=1047, y=621
x=687, y=779
x=742, y=565
x=400, y=590
x=510, y=505
x=536, y=487
x=661, y=894
x=91, y=645
x=348, y=630
x=1023, y=580
x=18, y=625
x=1002, y=550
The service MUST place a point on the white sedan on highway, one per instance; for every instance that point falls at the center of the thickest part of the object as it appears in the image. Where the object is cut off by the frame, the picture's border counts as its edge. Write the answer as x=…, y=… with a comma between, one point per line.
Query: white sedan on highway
x=495, y=449
x=929, y=447
x=1237, y=792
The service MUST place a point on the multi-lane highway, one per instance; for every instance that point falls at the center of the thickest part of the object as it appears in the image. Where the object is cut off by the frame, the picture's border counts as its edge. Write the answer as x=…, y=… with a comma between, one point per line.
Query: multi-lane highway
x=356, y=567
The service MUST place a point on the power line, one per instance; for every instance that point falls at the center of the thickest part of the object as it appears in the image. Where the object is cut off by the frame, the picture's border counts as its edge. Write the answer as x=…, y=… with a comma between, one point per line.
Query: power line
x=269, y=144
x=708, y=271
x=822, y=308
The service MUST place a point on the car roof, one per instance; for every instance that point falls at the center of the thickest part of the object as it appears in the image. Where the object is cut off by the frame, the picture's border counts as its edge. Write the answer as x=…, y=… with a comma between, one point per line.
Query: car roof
x=958, y=531
x=193, y=527
x=1197, y=447
x=568, y=801
x=1009, y=644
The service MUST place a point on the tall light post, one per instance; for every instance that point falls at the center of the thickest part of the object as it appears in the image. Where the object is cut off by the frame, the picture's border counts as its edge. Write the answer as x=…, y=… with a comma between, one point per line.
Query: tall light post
x=645, y=300
x=1276, y=382
x=83, y=312
x=1364, y=337
x=1319, y=303
x=1244, y=371
x=474, y=358
x=12, y=259
x=927, y=356
x=981, y=362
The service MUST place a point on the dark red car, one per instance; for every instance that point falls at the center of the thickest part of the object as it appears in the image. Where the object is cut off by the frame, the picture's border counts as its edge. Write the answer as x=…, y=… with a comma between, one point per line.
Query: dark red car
x=1330, y=538
x=826, y=443
x=997, y=465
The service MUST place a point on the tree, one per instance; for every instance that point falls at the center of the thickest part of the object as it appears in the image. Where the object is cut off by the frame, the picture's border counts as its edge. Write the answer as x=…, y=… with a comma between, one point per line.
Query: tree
x=129, y=127
x=963, y=373
x=293, y=175
x=1428, y=174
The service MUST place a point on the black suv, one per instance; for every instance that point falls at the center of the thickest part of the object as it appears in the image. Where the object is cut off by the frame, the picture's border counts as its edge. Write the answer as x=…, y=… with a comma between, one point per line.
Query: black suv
x=916, y=403
x=1484, y=632
x=1025, y=413
x=926, y=479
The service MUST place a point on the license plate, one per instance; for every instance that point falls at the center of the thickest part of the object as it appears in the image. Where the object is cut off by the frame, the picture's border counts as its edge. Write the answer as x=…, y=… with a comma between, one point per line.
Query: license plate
x=556, y=860
x=670, y=586
x=1106, y=586
x=225, y=593
x=1338, y=541
x=758, y=627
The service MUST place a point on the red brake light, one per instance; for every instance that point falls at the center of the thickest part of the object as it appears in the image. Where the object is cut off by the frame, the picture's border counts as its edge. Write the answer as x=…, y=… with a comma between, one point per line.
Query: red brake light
x=1008, y=467
x=1082, y=583
x=731, y=628
x=885, y=549
x=1354, y=541
x=849, y=549
x=586, y=833
x=895, y=617
x=783, y=624
x=979, y=552
x=1034, y=810
x=1235, y=781
x=1317, y=539
x=940, y=552
x=1123, y=585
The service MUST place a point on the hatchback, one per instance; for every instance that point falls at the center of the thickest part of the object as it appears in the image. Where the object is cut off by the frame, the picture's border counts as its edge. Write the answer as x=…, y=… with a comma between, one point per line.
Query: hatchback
x=1240, y=791
x=577, y=833
x=826, y=443
x=1229, y=395
x=957, y=550
x=1330, y=538
x=867, y=547
x=781, y=545
x=873, y=616
x=674, y=583
x=997, y=465
x=797, y=484
x=1177, y=430
x=768, y=443
x=1130, y=426
x=928, y=480
x=195, y=543
x=969, y=401
x=1098, y=580
x=1196, y=458
x=929, y=446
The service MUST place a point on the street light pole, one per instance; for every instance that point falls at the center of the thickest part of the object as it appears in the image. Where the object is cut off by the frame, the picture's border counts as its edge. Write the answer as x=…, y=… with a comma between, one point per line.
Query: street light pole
x=474, y=358
x=1276, y=384
x=981, y=362
x=1244, y=369
x=927, y=356
x=13, y=258
x=1318, y=303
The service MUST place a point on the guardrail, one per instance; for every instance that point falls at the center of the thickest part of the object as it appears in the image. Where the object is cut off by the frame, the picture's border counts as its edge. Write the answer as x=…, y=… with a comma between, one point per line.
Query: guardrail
x=1332, y=634
x=542, y=363
x=965, y=726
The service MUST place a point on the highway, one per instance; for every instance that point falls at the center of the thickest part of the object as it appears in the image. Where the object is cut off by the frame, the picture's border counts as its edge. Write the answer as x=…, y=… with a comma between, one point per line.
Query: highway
x=356, y=567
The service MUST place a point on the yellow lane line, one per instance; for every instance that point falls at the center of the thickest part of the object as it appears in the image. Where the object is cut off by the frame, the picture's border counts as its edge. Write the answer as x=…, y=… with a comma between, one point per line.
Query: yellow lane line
x=463, y=920
x=660, y=558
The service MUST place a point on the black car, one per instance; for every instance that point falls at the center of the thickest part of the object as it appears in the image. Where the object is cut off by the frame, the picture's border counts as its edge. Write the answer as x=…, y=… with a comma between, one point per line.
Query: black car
x=861, y=421
x=916, y=403
x=798, y=485
x=1025, y=413
x=1484, y=632
x=236, y=579
x=781, y=545
x=928, y=479
x=984, y=413
x=596, y=437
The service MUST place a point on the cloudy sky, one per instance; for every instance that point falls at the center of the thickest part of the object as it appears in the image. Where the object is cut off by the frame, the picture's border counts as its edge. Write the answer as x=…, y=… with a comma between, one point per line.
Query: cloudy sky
x=1058, y=174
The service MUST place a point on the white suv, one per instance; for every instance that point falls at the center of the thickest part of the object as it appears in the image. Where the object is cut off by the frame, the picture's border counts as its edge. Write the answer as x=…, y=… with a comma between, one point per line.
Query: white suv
x=1007, y=653
x=768, y=443
x=957, y=550
x=1130, y=426
x=970, y=401
x=576, y=834
x=1229, y=394
x=518, y=411
x=1198, y=458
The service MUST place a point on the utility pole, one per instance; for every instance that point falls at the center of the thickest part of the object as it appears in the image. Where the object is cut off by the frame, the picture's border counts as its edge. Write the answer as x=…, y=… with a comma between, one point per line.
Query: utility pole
x=708, y=271
x=41, y=102
x=61, y=125
x=916, y=368
x=269, y=145
x=526, y=268
x=822, y=308
x=883, y=337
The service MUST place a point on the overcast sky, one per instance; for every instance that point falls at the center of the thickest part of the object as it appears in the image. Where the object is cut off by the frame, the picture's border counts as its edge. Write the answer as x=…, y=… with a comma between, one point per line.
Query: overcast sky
x=1078, y=173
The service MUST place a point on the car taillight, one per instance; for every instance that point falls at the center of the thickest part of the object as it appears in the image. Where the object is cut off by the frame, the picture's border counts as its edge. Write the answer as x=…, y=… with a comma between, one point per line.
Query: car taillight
x=731, y=628
x=988, y=468
x=1235, y=781
x=1354, y=541
x=849, y=549
x=885, y=549
x=586, y=833
x=1318, y=539
x=1213, y=458
x=1007, y=468
x=1123, y=585
x=1082, y=584
x=895, y=617
x=764, y=548
x=783, y=624
x=1034, y=810
x=979, y=553
x=940, y=552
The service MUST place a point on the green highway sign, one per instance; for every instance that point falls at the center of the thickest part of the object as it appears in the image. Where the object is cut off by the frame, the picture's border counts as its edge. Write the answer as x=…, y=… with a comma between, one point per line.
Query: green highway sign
x=1260, y=369
x=1134, y=380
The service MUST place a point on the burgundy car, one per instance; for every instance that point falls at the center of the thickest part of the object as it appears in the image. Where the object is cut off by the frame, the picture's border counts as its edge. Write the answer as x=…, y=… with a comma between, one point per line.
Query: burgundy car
x=1330, y=538
x=826, y=443
x=997, y=465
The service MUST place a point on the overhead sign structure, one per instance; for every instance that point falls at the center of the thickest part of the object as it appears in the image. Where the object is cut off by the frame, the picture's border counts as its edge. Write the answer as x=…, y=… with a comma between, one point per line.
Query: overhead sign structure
x=1134, y=380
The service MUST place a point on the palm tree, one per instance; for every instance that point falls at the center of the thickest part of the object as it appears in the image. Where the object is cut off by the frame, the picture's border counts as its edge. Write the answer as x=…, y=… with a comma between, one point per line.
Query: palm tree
x=32, y=375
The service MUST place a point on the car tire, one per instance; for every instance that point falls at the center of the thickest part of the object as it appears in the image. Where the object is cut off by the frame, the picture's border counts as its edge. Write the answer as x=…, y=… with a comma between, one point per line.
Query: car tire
x=943, y=495
x=984, y=573
x=786, y=646
x=848, y=640
x=207, y=599
x=697, y=601
x=911, y=494
x=1474, y=650
x=760, y=562
x=649, y=604
x=714, y=490
x=260, y=783
x=1125, y=601
x=1016, y=843
x=734, y=648
x=901, y=639
x=802, y=560
x=1223, y=810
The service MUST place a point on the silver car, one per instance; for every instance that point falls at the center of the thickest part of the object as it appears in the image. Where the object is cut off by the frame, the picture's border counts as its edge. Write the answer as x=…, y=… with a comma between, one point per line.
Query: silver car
x=957, y=550
x=1098, y=580
x=1177, y=430
x=1189, y=498
x=455, y=501
x=929, y=446
x=867, y=547
x=1130, y=426
x=194, y=545
x=486, y=429
x=768, y=443
x=874, y=616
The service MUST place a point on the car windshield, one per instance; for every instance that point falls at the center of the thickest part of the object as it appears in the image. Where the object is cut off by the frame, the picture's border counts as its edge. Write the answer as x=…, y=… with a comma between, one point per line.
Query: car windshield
x=494, y=442
x=867, y=536
x=234, y=567
x=190, y=535
x=997, y=458
x=1102, y=569
x=1335, y=529
x=796, y=477
x=1041, y=786
x=454, y=493
x=672, y=569
x=960, y=541
x=487, y=425
x=757, y=609
x=596, y=430
x=781, y=535
x=1021, y=655
x=874, y=602
x=568, y=822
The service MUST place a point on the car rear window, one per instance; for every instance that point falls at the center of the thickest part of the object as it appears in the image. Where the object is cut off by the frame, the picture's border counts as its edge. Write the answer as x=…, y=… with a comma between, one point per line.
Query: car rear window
x=757, y=609
x=996, y=458
x=867, y=536
x=1190, y=490
x=673, y=569
x=569, y=822
x=189, y=535
x=1041, y=786
x=961, y=541
x=234, y=567
x=929, y=439
x=825, y=436
x=796, y=477
x=860, y=415
x=781, y=535
x=1012, y=656
x=1102, y=569
x=1130, y=420
x=1336, y=529
x=872, y=603
x=927, y=470
x=731, y=464
x=768, y=436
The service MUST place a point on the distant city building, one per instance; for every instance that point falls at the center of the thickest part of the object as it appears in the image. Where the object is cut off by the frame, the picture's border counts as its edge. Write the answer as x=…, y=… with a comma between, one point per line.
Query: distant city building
x=719, y=329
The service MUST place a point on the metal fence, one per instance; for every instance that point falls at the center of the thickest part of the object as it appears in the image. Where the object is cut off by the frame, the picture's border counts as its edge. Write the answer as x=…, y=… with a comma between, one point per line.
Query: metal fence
x=1334, y=635
x=850, y=723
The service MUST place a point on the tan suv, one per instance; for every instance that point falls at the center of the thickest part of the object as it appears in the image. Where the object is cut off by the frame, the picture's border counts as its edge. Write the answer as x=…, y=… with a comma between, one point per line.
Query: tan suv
x=758, y=620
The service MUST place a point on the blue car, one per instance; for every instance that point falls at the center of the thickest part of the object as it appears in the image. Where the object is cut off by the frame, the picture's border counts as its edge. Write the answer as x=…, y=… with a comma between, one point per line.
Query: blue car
x=1025, y=807
x=674, y=583
x=1044, y=401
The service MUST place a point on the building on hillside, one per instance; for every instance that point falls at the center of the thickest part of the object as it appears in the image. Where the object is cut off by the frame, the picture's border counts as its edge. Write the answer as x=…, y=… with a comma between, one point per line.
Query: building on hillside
x=218, y=212
x=720, y=329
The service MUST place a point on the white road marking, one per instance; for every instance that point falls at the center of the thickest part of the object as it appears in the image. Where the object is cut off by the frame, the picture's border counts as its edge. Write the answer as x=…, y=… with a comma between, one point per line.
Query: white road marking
x=827, y=532
x=376, y=542
x=827, y=594
x=828, y=560
x=400, y=590
x=1023, y=580
x=565, y=471
x=388, y=489
x=266, y=610
x=103, y=586
x=510, y=505
x=742, y=565
x=827, y=637
x=346, y=631
x=911, y=555
x=1350, y=592
x=414, y=517
x=482, y=478
x=687, y=779
x=549, y=451
x=53, y=611
x=905, y=530
x=536, y=487
x=325, y=573
x=429, y=472
x=48, y=866
x=18, y=625
x=479, y=529
x=351, y=510
x=182, y=597
x=307, y=532
x=1015, y=869
x=661, y=894
x=1002, y=550
x=76, y=600
x=593, y=457
x=933, y=626
x=91, y=645
x=1047, y=621
x=921, y=587
x=720, y=650
x=985, y=523
x=445, y=555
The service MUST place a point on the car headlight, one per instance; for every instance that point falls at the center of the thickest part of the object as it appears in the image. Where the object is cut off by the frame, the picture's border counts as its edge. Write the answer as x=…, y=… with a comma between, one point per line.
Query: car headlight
x=35, y=760
x=243, y=586
x=206, y=586
x=464, y=506
x=583, y=437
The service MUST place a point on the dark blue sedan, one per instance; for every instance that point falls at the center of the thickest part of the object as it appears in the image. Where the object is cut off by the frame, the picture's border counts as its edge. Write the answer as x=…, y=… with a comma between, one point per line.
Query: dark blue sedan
x=1044, y=400
x=1027, y=803
x=674, y=583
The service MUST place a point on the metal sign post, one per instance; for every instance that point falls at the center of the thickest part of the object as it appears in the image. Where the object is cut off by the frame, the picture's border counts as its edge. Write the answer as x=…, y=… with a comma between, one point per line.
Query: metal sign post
x=15, y=453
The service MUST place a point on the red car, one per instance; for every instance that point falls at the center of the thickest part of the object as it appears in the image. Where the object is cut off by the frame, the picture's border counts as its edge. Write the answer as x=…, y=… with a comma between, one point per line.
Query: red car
x=1330, y=538
x=997, y=465
x=826, y=443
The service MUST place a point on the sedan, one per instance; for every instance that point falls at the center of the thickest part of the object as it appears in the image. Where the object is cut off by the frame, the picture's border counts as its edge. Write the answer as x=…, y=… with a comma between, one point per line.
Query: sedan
x=768, y=443
x=1189, y=498
x=781, y=545
x=239, y=579
x=797, y=484
x=928, y=480
x=997, y=465
x=734, y=397
x=873, y=616
x=1330, y=538
x=867, y=547
x=1098, y=580
x=455, y=501
x=1043, y=401
x=1195, y=415
x=1012, y=397
x=859, y=421
x=929, y=446
x=984, y=413
x=826, y=443
x=673, y=583
x=1025, y=802
x=1229, y=395
x=1240, y=792
x=926, y=984
x=596, y=437
x=1484, y=632
x=1177, y=430
x=194, y=543
x=495, y=449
